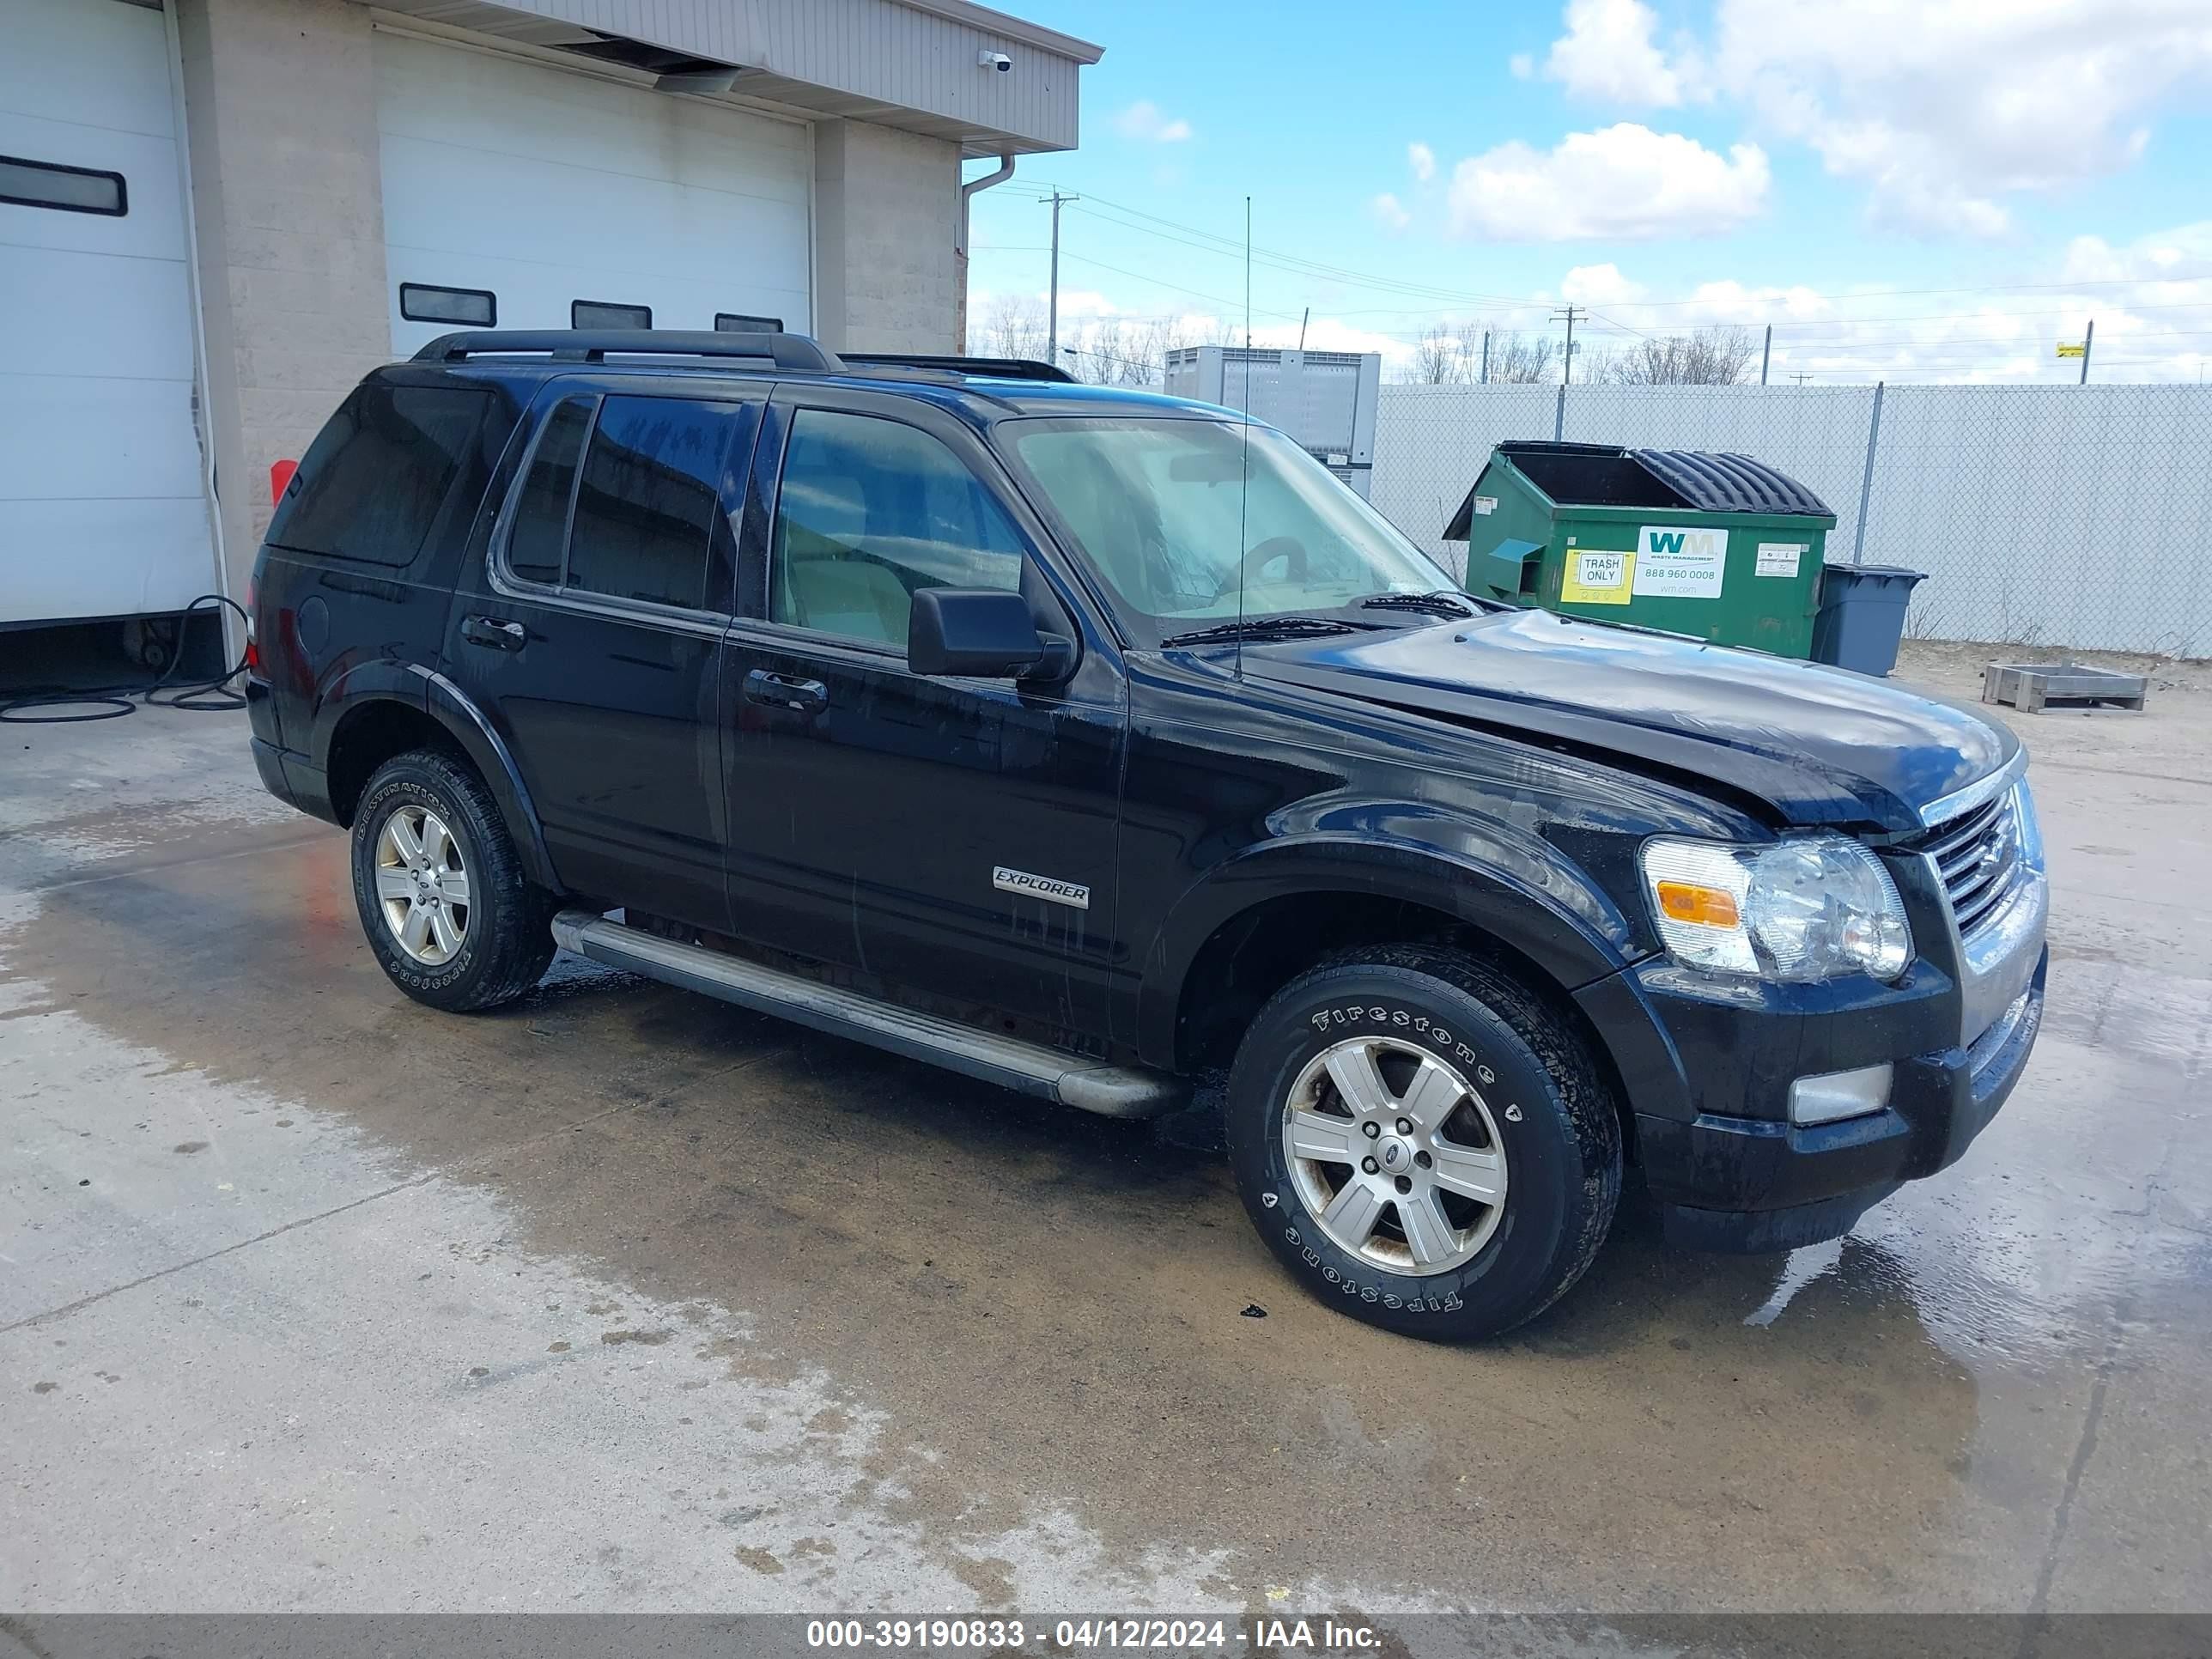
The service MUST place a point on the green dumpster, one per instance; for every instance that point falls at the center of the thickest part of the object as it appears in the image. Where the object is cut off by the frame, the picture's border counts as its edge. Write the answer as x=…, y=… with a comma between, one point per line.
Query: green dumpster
x=1719, y=547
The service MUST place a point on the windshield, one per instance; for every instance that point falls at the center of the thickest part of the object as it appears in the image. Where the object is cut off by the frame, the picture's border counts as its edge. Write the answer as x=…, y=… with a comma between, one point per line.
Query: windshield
x=1162, y=510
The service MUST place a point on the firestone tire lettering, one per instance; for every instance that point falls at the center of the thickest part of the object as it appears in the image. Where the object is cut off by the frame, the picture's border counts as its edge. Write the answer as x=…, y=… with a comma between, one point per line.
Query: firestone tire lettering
x=1558, y=1127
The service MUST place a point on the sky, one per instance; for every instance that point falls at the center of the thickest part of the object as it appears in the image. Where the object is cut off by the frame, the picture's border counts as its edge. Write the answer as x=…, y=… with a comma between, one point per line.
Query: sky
x=1935, y=190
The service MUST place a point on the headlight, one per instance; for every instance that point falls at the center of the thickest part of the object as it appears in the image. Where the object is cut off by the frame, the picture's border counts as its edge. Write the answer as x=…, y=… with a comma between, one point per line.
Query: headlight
x=1810, y=908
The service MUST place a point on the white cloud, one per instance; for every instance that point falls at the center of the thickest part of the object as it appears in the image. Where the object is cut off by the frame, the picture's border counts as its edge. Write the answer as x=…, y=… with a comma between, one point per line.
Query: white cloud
x=1945, y=111
x=1146, y=123
x=1599, y=285
x=1423, y=161
x=1081, y=302
x=1607, y=53
x=1326, y=333
x=2152, y=300
x=1625, y=181
x=1389, y=212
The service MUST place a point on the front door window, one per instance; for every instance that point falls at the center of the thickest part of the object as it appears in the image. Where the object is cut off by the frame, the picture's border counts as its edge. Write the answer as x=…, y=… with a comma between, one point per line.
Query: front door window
x=870, y=513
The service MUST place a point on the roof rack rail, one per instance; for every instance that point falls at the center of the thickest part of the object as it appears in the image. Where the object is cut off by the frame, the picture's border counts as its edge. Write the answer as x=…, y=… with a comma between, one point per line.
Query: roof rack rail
x=1005, y=369
x=795, y=352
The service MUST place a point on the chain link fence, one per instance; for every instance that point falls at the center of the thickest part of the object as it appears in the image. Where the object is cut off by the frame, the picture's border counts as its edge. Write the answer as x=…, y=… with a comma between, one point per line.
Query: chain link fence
x=2074, y=518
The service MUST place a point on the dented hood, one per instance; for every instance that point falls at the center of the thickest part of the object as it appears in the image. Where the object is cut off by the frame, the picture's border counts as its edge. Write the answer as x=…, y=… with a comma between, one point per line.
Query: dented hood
x=1814, y=745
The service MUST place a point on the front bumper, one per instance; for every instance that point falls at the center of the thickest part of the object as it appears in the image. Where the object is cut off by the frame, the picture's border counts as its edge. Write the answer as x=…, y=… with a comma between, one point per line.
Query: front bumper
x=1707, y=1069
x=1756, y=1184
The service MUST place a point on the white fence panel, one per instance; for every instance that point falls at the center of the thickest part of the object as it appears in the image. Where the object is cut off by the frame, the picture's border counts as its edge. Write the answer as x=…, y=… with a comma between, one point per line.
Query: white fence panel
x=2061, y=516
x=1435, y=439
x=2078, y=516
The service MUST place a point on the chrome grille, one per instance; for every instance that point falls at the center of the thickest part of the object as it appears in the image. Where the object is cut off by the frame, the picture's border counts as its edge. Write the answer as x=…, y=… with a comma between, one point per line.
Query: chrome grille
x=1977, y=856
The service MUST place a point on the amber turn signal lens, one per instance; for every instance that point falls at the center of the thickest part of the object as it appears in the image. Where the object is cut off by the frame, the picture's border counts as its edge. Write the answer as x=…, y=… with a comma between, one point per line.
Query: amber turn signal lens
x=1686, y=900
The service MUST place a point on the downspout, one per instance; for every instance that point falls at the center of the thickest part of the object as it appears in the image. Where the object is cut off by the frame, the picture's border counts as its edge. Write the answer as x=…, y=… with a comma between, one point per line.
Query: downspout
x=968, y=188
x=203, y=421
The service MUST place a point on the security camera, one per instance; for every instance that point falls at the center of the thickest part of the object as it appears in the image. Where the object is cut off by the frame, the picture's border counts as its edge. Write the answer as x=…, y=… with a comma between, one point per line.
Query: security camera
x=997, y=60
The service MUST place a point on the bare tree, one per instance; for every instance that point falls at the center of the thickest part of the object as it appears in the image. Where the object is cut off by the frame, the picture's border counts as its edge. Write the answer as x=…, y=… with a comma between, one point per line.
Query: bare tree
x=1013, y=326
x=1473, y=349
x=1517, y=359
x=1720, y=355
x=1448, y=356
x=1134, y=351
x=1439, y=359
x=1119, y=350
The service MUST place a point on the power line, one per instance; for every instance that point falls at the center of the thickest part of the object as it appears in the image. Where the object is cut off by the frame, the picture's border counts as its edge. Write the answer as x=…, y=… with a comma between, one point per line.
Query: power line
x=1838, y=344
x=1210, y=241
x=1293, y=263
x=1145, y=277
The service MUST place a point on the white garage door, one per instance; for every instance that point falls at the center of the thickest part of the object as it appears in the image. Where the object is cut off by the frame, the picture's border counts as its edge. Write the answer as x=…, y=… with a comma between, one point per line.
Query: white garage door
x=550, y=199
x=102, y=512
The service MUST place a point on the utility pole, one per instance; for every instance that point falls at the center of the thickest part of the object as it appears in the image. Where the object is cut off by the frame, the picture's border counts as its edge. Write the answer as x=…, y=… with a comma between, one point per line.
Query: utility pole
x=1051, y=322
x=2088, y=339
x=1866, y=482
x=1801, y=376
x=1303, y=321
x=1765, y=352
x=1485, y=358
x=1567, y=373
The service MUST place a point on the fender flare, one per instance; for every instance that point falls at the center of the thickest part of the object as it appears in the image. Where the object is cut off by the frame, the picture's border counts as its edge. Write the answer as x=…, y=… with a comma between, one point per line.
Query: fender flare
x=369, y=679
x=452, y=708
x=424, y=690
x=1573, y=949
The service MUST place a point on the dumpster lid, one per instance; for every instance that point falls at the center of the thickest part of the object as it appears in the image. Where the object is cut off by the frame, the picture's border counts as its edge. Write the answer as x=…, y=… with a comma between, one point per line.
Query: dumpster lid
x=1714, y=482
x=1661, y=480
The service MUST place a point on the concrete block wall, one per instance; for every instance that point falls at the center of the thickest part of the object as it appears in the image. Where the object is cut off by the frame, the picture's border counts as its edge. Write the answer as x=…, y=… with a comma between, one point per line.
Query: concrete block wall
x=280, y=108
x=288, y=201
x=886, y=214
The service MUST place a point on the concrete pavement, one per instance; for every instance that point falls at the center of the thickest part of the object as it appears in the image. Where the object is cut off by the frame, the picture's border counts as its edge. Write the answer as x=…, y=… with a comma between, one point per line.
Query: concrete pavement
x=623, y=1299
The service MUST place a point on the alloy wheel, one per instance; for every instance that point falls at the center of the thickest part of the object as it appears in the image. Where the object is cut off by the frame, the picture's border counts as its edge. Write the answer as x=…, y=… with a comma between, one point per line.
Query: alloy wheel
x=1395, y=1155
x=422, y=886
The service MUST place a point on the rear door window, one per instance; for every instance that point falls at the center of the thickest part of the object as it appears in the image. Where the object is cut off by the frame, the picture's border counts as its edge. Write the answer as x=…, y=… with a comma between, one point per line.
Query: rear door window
x=650, y=494
x=538, y=544
x=371, y=485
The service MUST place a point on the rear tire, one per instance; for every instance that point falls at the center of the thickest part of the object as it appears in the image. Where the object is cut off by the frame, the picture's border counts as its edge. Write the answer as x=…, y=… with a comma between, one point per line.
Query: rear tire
x=446, y=908
x=1481, y=1150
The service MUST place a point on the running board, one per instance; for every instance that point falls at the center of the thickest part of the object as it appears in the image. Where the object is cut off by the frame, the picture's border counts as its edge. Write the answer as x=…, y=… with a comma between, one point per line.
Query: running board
x=1030, y=1068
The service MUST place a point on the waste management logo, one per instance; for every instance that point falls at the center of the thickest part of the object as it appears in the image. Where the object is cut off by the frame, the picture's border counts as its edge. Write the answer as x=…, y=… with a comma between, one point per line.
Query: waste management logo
x=1681, y=564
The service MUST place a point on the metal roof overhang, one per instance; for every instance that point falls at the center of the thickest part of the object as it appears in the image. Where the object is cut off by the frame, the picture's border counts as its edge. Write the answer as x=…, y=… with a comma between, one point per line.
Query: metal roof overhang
x=905, y=63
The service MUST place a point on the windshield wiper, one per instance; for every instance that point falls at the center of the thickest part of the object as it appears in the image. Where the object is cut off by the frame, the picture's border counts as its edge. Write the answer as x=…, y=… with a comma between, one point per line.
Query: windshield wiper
x=1442, y=603
x=1265, y=628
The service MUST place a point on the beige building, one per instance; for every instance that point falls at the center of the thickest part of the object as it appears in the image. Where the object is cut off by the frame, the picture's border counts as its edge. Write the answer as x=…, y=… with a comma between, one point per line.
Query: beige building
x=216, y=215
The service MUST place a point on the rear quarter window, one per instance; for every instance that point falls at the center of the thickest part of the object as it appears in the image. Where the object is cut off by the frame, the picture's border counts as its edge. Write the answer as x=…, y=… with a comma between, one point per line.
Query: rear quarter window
x=372, y=481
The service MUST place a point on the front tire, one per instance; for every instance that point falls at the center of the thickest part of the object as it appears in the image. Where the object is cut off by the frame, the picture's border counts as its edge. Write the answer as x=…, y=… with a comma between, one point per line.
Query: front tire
x=1423, y=1143
x=448, y=913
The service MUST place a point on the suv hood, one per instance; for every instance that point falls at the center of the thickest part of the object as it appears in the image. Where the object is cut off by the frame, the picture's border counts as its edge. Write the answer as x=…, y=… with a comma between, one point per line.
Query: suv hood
x=1814, y=745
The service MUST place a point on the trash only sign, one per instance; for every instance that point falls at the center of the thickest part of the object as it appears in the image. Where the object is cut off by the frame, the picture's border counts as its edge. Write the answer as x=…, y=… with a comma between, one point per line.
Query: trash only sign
x=1595, y=578
x=1681, y=564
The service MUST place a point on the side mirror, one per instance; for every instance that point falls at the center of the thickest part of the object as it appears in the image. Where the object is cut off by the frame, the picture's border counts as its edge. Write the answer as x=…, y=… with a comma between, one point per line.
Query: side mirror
x=985, y=633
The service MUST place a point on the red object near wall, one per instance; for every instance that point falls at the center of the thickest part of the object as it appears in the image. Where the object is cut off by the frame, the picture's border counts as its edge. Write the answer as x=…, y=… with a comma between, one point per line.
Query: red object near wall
x=280, y=479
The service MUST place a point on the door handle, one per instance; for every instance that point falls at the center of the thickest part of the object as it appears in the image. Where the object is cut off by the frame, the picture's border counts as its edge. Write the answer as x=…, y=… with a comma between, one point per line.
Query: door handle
x=499, y=635
x=787, y=691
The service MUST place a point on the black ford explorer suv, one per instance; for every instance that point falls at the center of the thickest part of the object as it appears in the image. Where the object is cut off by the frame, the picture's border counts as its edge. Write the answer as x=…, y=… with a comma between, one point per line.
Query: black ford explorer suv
x=1094, y=742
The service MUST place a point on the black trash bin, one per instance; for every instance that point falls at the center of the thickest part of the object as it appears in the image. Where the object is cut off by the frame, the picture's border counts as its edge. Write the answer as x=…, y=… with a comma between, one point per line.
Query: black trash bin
x=1862, y=616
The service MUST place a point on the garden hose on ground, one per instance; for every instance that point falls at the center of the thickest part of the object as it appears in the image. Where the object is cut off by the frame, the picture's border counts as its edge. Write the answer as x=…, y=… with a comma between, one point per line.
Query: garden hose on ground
x=111, y=703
